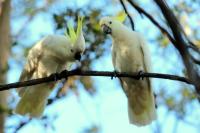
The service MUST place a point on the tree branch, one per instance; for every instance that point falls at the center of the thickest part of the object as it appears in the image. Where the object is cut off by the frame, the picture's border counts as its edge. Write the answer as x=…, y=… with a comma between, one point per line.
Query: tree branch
x=180, y=44
x=195, y=60
x=194, y=47
x=162, y=29
x=77, y=72
x=129, y=16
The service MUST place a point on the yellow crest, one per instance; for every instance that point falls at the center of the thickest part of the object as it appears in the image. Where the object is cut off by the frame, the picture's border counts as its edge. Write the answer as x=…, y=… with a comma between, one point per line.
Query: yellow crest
x=72, y=34
x=121, y=16
x=80, y=25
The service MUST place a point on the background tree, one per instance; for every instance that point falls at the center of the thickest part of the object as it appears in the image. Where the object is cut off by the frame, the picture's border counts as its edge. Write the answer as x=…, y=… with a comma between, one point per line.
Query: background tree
x=4, y=55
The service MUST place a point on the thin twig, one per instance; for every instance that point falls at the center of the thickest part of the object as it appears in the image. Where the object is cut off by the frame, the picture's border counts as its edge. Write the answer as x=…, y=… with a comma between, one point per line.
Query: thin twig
x=194, y=47
x=129, y=16
x=195, y=60
x=77, y=72
x=191, y=44
x=22, y=124
x=162, y=29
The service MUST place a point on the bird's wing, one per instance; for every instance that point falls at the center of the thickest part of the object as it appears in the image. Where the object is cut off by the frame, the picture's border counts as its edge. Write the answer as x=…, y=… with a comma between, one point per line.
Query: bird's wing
x=146, y=52
x=114, y=58
x=146, y=57
x=30, y=67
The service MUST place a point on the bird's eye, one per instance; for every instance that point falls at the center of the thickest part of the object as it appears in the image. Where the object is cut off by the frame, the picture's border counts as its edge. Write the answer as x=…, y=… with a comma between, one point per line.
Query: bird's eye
x=72, y=50
x=110, y=22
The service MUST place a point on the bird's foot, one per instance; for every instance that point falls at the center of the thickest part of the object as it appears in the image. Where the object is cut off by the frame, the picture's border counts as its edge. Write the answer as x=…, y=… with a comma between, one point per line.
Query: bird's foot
x=63, y=74
x=78, y=69
x=54, y=76
x=58, y=76
x=114, y=74
x=140, y=75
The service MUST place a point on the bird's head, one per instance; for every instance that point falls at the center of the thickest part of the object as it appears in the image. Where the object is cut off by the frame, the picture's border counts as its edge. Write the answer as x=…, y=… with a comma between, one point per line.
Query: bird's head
x=111, y=25
x=77, y=39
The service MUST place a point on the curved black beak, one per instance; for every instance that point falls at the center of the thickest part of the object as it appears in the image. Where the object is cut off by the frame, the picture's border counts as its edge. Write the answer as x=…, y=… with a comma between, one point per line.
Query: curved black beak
x=77, y=56
x=106, y=29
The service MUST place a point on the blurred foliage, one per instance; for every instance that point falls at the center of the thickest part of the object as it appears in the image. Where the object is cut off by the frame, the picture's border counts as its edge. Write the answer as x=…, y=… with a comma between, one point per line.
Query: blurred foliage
x=177, y=105
x=163, y=41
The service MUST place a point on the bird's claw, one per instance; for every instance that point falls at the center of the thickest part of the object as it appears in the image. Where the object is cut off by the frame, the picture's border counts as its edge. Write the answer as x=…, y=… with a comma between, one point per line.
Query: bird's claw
x=63, y=74
x=55, y=76
x=59, y=76
x=114, y=75
x=140, y=75
x=78, y=69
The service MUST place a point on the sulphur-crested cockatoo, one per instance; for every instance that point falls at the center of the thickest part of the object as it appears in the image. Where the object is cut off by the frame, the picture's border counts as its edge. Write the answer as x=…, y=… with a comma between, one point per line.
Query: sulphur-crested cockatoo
x=131, y=54
x=51, y=54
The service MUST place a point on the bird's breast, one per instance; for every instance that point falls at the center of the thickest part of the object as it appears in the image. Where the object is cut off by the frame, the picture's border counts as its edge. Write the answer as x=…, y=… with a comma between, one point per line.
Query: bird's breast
x=128, y=59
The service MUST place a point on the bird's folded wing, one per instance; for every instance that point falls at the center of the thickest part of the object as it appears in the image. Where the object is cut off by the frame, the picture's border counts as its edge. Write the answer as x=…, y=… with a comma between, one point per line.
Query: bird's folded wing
x=30, y=68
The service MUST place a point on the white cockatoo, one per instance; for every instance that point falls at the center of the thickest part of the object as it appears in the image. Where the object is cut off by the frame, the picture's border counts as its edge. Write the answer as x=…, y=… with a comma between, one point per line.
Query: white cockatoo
x=50, y=55
x=131, y=54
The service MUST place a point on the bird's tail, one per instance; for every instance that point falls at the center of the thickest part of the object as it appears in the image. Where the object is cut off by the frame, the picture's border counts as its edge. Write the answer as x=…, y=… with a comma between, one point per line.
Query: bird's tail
x=142, y=109
x=33, y=101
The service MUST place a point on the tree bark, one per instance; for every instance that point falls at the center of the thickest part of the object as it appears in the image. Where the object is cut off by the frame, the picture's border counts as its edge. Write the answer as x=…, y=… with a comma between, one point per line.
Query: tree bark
x=4, y=54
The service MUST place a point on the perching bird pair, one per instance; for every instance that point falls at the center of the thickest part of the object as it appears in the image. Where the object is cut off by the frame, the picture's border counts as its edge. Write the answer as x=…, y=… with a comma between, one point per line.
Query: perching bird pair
x=53, y=53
